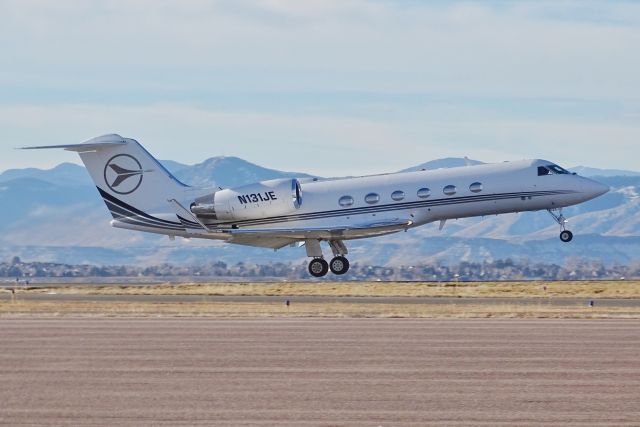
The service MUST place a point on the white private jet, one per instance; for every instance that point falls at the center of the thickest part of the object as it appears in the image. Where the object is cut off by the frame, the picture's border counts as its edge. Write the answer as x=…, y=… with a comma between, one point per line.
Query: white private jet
x=142, y=195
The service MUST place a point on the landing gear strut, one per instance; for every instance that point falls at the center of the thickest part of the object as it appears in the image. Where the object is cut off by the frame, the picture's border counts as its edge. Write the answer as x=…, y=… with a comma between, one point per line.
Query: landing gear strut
x=565, y=235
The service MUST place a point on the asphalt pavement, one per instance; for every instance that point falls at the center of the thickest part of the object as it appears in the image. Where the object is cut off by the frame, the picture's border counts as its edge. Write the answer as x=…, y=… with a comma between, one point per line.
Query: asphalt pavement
x=319, y=372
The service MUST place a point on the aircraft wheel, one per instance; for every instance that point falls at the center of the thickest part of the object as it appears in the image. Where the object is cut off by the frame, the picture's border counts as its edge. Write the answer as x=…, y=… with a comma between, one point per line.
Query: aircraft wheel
x=318, y=267
x=566, y=236
x=339, y=265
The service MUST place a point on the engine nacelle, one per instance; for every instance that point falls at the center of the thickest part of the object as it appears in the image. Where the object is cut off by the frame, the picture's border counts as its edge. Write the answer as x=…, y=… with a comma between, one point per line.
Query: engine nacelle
x=264, y=199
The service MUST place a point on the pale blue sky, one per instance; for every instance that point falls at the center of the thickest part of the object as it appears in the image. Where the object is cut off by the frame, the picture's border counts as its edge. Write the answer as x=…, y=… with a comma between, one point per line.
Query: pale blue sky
x=332, y=87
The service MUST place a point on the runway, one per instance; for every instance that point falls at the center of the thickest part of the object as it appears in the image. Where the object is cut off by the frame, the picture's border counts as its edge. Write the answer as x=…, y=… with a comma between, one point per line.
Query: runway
x=319, y=372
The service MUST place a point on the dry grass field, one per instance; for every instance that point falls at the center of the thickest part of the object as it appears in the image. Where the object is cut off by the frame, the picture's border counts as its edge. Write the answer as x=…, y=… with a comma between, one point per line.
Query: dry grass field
x=506, y=300
x=586, y=289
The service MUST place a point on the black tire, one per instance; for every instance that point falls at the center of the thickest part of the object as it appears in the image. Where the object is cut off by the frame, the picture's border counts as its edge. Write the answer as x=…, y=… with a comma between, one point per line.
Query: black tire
x=566, y=236
x=339, y=265
x=318, y=267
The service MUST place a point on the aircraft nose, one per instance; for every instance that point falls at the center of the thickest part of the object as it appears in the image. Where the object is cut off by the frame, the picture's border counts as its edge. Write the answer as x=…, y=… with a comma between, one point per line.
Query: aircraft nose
x=594, y=189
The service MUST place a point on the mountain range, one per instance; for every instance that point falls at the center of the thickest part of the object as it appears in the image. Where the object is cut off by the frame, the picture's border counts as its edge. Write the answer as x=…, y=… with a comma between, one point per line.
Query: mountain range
x=56, y=215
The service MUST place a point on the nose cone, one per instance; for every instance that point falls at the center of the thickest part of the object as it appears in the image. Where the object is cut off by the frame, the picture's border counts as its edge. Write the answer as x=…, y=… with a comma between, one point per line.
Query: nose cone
x=593, y=189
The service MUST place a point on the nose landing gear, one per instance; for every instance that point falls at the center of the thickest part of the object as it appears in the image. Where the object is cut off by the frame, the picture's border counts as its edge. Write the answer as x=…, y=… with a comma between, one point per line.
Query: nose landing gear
x=565, y=235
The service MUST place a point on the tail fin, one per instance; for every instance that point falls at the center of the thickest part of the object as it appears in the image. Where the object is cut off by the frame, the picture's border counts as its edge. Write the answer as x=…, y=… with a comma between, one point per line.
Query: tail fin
x=126, y=175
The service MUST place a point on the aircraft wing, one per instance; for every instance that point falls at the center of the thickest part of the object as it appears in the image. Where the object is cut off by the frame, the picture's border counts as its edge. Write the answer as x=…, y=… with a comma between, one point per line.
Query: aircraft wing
x=262, y=240
x=278, y=238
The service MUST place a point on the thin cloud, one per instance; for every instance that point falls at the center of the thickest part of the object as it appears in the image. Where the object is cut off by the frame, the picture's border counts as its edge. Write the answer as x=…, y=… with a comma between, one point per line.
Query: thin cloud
x=386, y=83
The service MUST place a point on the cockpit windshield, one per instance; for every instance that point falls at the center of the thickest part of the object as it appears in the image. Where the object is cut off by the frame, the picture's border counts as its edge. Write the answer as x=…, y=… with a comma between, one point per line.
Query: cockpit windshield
x=552, y=169
x=557, y=169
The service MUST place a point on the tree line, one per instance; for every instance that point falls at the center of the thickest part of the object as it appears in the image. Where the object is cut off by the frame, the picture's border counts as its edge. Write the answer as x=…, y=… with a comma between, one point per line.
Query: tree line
x=507, y=269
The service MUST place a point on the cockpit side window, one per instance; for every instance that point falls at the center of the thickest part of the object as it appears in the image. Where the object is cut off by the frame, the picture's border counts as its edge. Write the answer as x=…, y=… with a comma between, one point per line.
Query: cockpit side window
x=543, y=171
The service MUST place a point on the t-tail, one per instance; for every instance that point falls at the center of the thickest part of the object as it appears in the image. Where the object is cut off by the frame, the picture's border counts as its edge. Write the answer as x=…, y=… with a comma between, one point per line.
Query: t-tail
x=135, y=187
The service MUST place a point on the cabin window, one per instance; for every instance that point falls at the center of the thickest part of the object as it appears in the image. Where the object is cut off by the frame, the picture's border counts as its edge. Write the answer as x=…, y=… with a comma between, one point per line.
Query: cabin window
x=423, y=193
x=372, y=198
x=449, y=190
x=397, y=195
x=345, y=201
x=476, y=187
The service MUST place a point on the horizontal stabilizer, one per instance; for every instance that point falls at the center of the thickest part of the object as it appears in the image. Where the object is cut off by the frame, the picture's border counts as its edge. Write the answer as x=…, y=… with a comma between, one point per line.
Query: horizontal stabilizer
x=79, y=148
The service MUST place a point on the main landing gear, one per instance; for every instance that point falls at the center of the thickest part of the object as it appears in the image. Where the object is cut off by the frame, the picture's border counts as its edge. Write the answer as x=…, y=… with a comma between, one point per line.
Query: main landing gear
x=565, y=235
x=318, y=267
x=339, y=265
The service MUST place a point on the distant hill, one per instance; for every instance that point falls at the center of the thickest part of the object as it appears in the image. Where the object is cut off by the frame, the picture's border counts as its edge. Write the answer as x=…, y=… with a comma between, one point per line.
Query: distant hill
x=68, y=174
x=57, y=215
x=215, y=171
x=229, y=172
x=587, y=171
x=448, y=162
x=173, y=166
